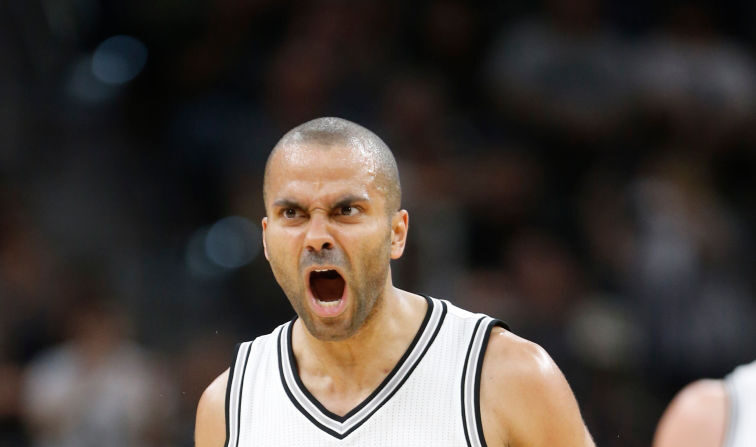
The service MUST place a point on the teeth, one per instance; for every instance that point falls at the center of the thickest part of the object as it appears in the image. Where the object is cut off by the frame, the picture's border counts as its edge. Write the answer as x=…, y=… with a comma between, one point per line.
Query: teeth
x=321, y=270
x=328, y=303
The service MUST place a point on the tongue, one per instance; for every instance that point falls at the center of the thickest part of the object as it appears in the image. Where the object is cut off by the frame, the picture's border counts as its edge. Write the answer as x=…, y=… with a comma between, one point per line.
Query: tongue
x=327, y=286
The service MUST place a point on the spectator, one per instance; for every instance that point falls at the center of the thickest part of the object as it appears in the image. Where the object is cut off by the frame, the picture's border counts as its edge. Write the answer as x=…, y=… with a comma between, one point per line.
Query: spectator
x=98, y=387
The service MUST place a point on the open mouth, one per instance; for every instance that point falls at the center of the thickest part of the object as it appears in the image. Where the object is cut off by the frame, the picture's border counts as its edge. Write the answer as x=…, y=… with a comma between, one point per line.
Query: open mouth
x=327, y=287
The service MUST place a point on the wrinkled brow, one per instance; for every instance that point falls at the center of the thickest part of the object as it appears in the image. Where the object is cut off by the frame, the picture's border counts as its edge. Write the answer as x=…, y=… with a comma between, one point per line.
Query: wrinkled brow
x=287, y=203
x=342, y=201
x=350, y=199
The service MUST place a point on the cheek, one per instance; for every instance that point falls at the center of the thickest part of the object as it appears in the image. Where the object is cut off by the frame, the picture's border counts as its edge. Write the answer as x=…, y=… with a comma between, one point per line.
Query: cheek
x=281, y=247
x=374, y=250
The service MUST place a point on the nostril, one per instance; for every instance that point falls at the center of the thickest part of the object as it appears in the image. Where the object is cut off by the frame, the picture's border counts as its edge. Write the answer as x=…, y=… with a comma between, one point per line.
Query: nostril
x=325, y=246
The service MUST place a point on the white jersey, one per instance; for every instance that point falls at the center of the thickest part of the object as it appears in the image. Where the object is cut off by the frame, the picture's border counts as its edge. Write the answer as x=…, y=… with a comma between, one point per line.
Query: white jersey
x=741, y=389
x=429, y=398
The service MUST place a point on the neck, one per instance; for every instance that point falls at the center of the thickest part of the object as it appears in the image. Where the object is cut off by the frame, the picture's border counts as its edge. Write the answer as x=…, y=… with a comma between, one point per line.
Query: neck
x=346, y=371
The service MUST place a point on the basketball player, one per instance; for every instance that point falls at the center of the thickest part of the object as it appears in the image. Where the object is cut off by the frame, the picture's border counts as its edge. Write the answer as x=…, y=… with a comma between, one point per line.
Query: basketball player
x=365, y=363
x=712, y=413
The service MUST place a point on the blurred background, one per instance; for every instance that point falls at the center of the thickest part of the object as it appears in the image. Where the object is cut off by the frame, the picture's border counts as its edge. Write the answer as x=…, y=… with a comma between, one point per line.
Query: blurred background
x=583, y=170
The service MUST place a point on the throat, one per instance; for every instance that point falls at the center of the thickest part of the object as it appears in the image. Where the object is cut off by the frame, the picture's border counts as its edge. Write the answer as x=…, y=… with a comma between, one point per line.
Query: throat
x=341, y=394
x=341, y=375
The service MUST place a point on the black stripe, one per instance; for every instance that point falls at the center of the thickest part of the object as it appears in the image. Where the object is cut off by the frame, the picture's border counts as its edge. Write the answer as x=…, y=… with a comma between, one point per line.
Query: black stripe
x=342, y=419
x=482, y=354
x=406, y=376
x=291, y=396
x=464, y=379
x=241, y=390
x=367, y=400
x=228, y=389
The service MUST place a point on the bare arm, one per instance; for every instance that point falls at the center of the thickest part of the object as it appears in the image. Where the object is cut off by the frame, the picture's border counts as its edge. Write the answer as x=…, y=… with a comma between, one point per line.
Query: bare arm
x=210, y=429
x=525, y=400
x=696, y=417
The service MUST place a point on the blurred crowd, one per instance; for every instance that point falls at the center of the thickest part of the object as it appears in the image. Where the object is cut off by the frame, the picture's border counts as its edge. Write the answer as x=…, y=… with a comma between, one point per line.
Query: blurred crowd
x=583, y=170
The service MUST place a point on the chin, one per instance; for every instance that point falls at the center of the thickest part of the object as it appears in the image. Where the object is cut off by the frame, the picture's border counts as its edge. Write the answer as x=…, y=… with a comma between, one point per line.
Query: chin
x=328, y=332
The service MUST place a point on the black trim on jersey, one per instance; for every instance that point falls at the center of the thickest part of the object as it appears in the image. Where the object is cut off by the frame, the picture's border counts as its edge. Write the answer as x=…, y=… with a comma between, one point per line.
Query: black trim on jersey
x=462, y=382
x=342, y=419
x=241, y=391
x=335, y=417
x=228, y=389
x=291, y=396
x=482, y=353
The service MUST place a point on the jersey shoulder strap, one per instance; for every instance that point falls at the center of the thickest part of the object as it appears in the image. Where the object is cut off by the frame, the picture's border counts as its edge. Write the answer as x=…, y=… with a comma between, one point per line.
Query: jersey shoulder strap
x=241, y=361
x=470, y=386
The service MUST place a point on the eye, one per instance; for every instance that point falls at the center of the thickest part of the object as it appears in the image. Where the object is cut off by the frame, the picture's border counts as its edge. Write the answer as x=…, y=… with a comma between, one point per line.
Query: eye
x=290, y=213
x=348, y=210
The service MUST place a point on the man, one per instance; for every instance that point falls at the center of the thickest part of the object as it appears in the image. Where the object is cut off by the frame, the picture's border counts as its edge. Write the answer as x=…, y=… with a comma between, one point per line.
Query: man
x=365, y=363
x=712, y=413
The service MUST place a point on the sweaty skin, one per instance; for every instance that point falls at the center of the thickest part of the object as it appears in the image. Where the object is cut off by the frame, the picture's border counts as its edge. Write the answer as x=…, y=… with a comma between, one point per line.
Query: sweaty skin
x=326, y=206
x=325, y=210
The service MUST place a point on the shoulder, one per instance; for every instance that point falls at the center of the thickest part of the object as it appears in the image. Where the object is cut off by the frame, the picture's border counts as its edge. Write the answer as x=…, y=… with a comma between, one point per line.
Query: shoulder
x=695, y=417
x=524, y=397
x=210, y=428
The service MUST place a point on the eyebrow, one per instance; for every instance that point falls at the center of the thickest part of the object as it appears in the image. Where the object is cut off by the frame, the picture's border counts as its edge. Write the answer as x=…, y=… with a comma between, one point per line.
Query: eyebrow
x=350, y=199
x=343, y=201
x=287, y=203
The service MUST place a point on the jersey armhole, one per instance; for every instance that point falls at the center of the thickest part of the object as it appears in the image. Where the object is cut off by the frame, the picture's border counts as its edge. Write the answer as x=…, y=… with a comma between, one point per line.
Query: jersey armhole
x=228, y=388
x=234, y=389
x=471, y=373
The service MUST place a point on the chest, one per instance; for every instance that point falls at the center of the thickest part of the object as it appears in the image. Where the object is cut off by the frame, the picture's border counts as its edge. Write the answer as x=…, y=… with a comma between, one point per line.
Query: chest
x=428, y=398
x=421, y=408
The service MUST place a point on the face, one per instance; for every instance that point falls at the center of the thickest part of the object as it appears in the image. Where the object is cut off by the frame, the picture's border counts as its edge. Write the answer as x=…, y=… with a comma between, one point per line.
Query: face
x=329, y=237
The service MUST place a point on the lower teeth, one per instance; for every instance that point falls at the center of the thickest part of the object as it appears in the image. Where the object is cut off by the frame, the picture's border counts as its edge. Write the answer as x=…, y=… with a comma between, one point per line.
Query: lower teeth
x=328, y=303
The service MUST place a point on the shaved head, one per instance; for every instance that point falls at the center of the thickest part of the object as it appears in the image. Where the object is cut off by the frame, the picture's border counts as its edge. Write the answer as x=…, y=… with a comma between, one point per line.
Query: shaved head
x=326, y=133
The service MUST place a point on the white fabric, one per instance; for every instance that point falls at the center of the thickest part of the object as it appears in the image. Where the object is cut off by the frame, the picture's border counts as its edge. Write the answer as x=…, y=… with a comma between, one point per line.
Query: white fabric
x=419, y=403
x=741, y=387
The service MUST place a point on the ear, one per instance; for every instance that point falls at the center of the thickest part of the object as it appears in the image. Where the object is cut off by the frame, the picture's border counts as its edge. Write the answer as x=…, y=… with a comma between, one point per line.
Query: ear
x=265, y=245
x=399, y=228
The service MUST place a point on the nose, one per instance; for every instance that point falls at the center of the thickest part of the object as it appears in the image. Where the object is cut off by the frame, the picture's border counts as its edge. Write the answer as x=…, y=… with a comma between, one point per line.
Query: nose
x=318, y=236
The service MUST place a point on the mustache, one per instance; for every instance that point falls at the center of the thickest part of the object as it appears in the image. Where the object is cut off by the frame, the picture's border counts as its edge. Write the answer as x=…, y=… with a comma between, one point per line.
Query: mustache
x=332, y=256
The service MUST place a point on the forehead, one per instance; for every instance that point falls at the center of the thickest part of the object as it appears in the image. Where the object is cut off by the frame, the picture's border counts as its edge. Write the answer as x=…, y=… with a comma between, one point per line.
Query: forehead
x=312, y=169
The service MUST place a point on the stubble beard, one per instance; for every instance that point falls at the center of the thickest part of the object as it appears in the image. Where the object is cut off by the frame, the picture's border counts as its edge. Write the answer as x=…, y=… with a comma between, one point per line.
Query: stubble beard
x=367, y=299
